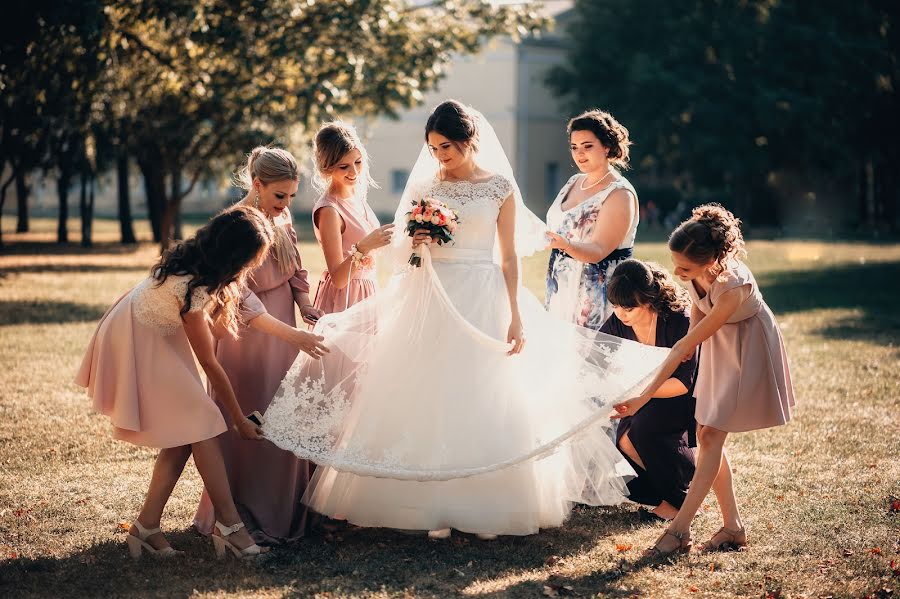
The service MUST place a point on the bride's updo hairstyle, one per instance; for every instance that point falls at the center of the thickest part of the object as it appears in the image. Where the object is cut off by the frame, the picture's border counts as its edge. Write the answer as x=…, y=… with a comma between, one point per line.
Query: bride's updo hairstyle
x=712, y=233
x=635, y=283
x=611, y=133
x=453, y=121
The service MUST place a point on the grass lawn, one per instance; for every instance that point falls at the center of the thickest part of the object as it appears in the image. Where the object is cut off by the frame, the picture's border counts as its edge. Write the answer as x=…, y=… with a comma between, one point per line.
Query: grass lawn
x=815, y=495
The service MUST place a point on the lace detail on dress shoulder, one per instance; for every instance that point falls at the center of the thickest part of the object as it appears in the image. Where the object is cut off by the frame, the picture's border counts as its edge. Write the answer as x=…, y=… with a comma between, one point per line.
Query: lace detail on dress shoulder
x=496, y=188
x=199, y=297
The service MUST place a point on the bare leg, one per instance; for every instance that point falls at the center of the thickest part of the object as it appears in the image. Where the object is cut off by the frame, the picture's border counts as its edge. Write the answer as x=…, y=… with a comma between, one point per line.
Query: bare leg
x=711, y=443
x=665, y=510
x=724, y=490
x=166, y=472
x=629, y=449
x=208, y=458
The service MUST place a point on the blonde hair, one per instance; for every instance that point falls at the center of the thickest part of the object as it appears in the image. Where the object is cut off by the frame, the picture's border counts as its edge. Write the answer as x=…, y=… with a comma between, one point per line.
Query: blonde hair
x=269, y=165
x=333, y=141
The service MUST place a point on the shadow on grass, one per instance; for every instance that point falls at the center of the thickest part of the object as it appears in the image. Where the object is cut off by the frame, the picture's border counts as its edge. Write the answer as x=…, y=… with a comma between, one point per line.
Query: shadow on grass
x=70, y=268
x=869, y=288
x=21, y=248
x=355, y=560
x=47, y=312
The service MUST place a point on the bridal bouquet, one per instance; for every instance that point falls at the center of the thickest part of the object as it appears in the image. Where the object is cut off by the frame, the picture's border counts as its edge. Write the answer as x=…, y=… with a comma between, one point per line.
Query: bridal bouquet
x=435, y=217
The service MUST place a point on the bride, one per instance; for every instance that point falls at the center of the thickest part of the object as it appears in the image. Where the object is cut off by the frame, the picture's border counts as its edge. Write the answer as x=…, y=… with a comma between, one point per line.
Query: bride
x=431, y=411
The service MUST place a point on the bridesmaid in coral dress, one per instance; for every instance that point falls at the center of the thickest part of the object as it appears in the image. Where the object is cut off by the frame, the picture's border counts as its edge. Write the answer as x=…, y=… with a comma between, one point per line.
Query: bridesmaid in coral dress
x=345, y=225
x=266, y=482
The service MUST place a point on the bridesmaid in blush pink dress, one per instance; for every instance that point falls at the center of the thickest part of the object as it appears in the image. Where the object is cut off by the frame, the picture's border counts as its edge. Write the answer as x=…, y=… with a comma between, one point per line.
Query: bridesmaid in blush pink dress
x=140, y=369
x=345, y=225
x=744, y=382
x=266, y=482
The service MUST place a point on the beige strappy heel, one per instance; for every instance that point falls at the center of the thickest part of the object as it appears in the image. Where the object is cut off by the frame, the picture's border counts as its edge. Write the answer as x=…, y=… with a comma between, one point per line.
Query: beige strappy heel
x=138, y=544
x=726, y=540
x=221, y=542
x=684, y=545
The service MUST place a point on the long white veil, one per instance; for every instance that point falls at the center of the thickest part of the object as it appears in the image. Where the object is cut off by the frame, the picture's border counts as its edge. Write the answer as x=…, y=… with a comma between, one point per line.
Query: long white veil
x=413, y=390
x=530, y=230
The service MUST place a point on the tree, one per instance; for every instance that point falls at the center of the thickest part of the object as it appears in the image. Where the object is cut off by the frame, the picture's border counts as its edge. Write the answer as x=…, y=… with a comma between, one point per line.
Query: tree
x=730, y=99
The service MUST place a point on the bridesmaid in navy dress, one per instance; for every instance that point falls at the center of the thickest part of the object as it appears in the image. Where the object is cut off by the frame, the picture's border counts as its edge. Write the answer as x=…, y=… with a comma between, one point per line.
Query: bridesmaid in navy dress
x=649, y=307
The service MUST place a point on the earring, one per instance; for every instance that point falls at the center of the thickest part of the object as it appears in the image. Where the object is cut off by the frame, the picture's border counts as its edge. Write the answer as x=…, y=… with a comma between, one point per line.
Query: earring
x=256, y=199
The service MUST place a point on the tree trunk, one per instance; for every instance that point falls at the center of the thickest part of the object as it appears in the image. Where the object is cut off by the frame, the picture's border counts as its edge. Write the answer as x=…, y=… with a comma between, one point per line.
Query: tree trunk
x=86, y=208
x=126, y=223
x=173, y=209
x=62, y=187
x=153, y=170
x=22, y=191
x=176, y=193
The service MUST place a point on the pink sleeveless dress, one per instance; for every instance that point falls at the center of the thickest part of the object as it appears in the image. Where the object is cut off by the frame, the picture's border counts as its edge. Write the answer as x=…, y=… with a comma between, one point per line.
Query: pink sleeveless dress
x=359, y=220
x=744, y=383
x=140, y=371
x=266, y=482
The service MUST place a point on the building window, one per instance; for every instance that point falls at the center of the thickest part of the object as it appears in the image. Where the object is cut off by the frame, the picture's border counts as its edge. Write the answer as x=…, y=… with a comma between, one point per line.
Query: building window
x=551, y=181
x=398, y=180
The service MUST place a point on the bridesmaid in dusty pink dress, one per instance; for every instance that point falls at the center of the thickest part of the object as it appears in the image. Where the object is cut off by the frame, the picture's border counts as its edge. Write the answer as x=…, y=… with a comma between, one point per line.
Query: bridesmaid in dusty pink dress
x=140, y=369
x=743, y=384
x=345, y=225
x=267, y=482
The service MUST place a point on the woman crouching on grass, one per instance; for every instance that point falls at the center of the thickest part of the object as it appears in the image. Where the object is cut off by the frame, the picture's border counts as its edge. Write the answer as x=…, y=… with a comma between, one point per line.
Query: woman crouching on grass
x=744, y=383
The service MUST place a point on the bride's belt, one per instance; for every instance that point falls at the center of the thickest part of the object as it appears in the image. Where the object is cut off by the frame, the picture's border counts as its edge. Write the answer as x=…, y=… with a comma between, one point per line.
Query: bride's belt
x=440, y=254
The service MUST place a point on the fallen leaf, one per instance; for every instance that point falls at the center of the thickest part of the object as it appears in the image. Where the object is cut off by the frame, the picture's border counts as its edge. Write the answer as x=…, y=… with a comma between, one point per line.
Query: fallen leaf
x=712, y=567
x=126, y=526
x=875, y=550
x=895, y=504
x=779, y=497
x=693, y=589
x=553, y=560
x=622, y=547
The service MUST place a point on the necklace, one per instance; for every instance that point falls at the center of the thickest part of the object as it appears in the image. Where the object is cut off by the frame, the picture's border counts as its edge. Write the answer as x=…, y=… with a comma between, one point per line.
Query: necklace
x=595, y=183
x=649, y=337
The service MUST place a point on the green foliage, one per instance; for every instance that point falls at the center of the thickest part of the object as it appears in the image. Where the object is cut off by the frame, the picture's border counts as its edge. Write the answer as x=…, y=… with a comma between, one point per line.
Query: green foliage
x=725, y=98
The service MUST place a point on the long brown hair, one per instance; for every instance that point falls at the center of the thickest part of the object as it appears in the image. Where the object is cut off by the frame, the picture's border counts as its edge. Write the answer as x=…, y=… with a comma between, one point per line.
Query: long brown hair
x=635, y=283
x=218, y=258
x=270, y=165
x=712, y=233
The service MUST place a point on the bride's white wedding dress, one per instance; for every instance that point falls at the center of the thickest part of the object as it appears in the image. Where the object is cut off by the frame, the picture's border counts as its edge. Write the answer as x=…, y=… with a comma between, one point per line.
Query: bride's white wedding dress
x=419, y=419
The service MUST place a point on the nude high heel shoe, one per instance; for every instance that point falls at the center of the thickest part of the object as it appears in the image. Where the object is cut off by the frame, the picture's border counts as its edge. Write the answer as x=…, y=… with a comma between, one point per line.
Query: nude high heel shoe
x=137, y=544
x=221, y=542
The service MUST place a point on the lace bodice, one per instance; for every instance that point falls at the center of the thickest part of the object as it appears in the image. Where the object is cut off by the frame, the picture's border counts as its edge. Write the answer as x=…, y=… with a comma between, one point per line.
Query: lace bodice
x=478, y=205
x=159, y=307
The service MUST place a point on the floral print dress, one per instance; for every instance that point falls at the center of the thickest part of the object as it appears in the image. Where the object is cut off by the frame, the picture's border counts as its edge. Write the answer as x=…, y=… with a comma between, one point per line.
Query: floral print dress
x=576, y=291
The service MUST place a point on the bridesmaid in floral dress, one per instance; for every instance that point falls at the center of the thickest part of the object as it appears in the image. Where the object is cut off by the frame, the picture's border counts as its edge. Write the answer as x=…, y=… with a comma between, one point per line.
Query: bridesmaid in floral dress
x=266, y=482
x=593, y=221
x=345, y=225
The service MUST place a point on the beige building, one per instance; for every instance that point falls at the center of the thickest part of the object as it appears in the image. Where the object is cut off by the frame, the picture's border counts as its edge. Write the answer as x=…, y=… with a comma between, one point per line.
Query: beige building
x=506, y=83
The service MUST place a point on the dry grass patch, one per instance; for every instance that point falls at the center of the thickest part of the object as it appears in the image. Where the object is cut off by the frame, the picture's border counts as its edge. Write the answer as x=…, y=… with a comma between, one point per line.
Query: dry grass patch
x=815, y=494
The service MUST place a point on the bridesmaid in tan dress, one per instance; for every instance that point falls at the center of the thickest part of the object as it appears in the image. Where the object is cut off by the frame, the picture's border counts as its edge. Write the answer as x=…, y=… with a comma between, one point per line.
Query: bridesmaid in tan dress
x=345, y=225
x=743, y=384
x=266, y=482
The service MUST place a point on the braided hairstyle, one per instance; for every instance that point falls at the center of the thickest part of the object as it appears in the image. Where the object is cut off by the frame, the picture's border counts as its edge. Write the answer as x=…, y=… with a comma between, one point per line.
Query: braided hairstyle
x=611, y=133
x=712, y=234
x=219, y=257
x=635, y=283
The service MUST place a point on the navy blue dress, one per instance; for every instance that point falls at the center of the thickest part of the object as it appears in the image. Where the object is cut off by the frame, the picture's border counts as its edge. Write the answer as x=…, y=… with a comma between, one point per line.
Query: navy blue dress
x=663, y=431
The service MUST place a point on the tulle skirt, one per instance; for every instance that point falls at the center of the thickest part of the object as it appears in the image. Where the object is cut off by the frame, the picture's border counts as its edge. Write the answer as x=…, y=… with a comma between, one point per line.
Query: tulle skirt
x=425, y=422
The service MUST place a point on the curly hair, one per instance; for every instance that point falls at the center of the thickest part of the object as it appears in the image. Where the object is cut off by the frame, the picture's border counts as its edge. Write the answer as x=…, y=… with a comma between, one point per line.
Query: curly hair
x=635, y=283
x=270, y=164
x=611, y=133
x=452, y=120
x=712, y=234
x=218, y=258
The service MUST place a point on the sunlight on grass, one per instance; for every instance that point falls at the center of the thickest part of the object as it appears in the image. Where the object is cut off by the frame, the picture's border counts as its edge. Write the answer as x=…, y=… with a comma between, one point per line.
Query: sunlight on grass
x=814, y=494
